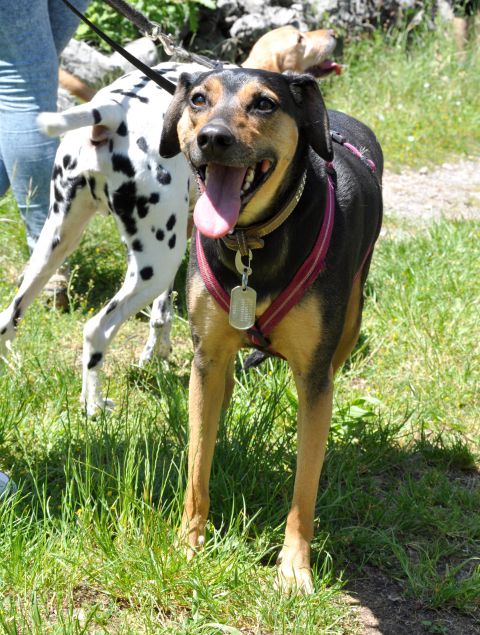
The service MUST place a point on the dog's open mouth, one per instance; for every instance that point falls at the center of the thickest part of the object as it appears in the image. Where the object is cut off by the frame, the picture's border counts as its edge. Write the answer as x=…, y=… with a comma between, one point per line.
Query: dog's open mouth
x=325, y=68
x=224, y=190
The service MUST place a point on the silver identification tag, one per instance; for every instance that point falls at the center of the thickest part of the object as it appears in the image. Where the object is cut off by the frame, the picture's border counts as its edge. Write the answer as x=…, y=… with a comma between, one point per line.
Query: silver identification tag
x=243, y=302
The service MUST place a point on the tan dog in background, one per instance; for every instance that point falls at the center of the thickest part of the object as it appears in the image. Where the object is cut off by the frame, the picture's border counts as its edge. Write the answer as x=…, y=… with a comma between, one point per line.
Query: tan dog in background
x=288, y=49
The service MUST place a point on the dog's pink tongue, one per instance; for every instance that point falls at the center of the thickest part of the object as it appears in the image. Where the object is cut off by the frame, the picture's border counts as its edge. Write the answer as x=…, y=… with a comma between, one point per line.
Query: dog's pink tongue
x=217, y=209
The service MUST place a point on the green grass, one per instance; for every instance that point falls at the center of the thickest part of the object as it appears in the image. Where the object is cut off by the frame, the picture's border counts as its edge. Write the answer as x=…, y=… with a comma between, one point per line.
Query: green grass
x=420, y=98
x=88, y=544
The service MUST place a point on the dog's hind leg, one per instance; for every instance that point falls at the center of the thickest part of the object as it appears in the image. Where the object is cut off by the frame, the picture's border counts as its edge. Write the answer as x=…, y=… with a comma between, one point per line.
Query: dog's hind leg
x=71, y=209
x=314, y=415
x=134, y=295
x=158, y=343
x=351, y=327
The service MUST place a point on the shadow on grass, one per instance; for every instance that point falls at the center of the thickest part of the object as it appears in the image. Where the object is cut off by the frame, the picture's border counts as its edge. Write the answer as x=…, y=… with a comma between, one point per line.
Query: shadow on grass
x=383, y=607
x=395, y=517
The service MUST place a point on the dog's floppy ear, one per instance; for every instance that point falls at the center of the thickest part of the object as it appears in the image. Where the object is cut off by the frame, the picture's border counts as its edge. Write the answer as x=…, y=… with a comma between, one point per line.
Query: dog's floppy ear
x=313, y=117
x=169, y=142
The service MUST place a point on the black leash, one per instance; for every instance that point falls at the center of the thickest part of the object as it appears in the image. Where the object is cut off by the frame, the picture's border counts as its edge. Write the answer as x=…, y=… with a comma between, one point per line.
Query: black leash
x=149, y=72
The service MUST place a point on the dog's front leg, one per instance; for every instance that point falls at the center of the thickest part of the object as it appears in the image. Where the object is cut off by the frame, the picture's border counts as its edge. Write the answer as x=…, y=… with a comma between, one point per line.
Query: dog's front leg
x=314, y=415
x=206, y=390
x=206, y=394
x=99, y=331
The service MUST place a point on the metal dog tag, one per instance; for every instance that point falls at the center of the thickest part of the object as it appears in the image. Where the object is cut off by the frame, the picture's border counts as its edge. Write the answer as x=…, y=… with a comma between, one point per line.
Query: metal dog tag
x=243, y=302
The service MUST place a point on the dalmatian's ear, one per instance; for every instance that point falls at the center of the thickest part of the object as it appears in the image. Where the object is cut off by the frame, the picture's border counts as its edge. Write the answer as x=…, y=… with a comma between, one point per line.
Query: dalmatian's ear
x=313, y=116
x=169, y=142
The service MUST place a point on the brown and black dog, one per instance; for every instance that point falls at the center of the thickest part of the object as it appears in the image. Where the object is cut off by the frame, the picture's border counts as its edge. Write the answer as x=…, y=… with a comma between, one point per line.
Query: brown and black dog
x=251, y=137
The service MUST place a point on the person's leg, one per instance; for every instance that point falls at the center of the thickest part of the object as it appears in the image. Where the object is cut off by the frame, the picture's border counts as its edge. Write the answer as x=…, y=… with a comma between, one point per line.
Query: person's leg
x=460, y=32
x=29, y=157
x=63, y=21
x=28, y=85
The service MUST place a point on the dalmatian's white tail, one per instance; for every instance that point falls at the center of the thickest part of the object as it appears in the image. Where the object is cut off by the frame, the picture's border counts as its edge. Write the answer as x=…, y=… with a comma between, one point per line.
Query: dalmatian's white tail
x=55, y=124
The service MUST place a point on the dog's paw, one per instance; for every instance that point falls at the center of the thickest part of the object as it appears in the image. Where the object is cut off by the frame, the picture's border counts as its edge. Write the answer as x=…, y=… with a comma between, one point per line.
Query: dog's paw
x=6, y=337
x=7, y=332
x=145, y=357
x=3, y=352
x=190, y=540
x=96, y=407
x=192, y=550
x=294, y=575
x=161, y=350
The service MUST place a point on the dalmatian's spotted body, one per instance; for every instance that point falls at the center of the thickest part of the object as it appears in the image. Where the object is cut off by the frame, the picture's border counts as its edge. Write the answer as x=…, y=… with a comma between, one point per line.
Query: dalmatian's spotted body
x=109, y=162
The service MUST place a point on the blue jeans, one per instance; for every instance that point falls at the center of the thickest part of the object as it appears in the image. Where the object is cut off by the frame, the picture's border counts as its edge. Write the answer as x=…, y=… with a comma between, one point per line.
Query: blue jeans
x=32, y=35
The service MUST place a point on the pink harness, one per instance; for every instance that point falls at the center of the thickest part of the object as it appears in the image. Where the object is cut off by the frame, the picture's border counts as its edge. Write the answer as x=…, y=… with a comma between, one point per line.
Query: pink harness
x=303, y=279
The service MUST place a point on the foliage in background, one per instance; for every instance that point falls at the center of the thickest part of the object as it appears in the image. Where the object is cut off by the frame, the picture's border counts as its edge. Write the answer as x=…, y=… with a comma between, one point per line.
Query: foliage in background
x=413, y=88
x=356, y=19
x=420, y=97
x=172, y=15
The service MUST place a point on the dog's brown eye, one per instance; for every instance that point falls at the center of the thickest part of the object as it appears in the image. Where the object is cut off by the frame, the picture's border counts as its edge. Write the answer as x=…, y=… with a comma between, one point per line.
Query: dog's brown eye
x=197, y=99
x=264, y=104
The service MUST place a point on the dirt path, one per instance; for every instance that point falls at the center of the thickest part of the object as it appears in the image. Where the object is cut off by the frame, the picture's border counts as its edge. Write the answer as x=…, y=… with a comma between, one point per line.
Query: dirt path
x=381, y=608
x=451, y=190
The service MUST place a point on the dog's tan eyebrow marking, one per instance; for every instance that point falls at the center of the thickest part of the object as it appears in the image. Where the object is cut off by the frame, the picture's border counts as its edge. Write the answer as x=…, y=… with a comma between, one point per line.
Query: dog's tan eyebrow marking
x=213, y=88
x=239, y=104
x=193, y=119
x=255, y=89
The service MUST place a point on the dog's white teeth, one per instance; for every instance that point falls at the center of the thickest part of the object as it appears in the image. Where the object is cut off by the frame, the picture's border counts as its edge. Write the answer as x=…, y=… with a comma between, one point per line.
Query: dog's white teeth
x=249, y=176
x=207, y=170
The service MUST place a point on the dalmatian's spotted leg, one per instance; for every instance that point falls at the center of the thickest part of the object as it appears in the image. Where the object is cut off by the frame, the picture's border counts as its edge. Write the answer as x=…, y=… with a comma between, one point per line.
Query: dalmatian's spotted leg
x=158, y=343
x=142, y=284
x=71, y=208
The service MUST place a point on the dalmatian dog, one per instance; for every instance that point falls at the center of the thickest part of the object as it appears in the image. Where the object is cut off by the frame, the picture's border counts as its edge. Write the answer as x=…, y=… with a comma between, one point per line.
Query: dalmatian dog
x=108, y=162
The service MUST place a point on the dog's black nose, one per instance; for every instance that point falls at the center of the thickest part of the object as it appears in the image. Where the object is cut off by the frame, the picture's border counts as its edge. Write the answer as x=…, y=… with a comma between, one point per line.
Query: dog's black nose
x=215, y=135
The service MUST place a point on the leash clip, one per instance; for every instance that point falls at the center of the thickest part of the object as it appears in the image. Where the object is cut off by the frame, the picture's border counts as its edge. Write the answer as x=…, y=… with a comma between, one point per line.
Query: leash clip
x=165, y=40
x=245, y=270
x=337, y=137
